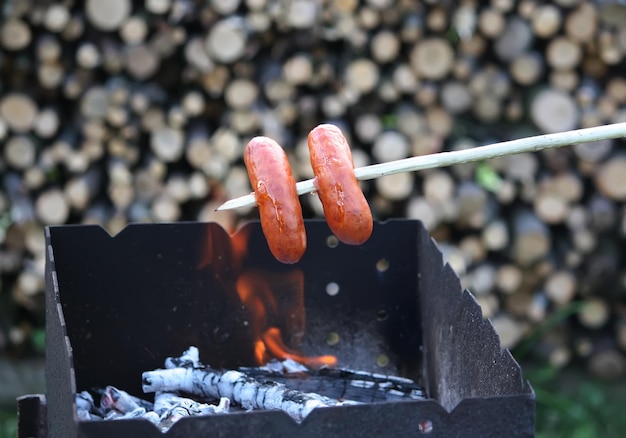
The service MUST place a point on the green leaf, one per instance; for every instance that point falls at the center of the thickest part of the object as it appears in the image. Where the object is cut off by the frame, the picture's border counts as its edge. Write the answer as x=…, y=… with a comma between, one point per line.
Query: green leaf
x=586, y=430
x=487, y=177
x=38, y=339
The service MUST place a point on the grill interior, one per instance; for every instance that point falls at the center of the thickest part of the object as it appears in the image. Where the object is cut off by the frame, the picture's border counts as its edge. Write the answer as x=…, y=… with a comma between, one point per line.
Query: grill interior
x=390, y=307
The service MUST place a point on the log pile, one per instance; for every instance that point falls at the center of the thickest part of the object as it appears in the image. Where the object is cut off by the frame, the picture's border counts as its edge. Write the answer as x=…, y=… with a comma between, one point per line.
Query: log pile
x=115, y=112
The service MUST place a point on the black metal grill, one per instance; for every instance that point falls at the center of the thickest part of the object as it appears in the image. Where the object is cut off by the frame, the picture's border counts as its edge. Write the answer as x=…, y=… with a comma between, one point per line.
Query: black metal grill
x=117, y=306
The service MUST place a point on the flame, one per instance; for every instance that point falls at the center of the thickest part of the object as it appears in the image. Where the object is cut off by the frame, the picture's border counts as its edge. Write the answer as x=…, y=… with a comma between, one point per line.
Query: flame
x=260, y=352
x=272, y=339
x=221, y=250
x=274, y=301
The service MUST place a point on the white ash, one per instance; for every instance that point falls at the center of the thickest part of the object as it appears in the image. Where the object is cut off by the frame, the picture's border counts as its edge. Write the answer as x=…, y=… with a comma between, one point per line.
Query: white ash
x=169, y=401
x=167, y=409
x=177, y=377
x=395, y=379
x=283, y=366
x=84, y=400
x=291, y=373
x=170, y=407
x=154, y=418
x=121, y=401
x=216, y=391
x=86, y=408
x=138, y=412
x=190, y=358
x=186, y=374
x=363, y=383
x=241, y=389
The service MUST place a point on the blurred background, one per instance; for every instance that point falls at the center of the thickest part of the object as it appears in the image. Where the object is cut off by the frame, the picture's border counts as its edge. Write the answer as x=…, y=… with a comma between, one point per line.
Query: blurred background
x=119, y=111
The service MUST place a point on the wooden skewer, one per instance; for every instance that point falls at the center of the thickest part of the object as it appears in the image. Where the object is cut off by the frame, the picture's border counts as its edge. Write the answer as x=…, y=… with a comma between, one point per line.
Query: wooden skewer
x=443, y=159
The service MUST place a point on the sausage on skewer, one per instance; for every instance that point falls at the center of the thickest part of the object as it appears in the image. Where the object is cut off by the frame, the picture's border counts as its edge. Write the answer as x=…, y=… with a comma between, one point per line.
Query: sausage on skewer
x=345, y=207
x=276, y=196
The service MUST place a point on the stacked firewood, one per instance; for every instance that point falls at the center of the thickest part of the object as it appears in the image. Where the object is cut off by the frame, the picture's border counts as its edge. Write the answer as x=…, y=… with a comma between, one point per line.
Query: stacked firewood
x=117, y=111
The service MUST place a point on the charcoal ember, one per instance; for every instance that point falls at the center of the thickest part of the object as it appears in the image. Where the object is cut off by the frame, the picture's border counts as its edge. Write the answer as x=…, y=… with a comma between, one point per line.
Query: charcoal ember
x=115, y=399
x=86, y=408
x=248, y=392
x=167, y=409
x=342, y=384
x=165, y=403
x=170, y=407
x=138, y=412
x=186, y=388
x=202, y=381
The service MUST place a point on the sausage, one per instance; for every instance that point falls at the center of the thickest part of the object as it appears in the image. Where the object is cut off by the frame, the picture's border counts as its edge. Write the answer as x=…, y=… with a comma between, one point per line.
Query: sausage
x=345, y=207
x=276, y=196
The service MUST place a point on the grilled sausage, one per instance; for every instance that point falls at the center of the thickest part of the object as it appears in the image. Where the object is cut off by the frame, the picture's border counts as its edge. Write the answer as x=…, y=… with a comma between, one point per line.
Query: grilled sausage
x=345, y=207
x=275, y=192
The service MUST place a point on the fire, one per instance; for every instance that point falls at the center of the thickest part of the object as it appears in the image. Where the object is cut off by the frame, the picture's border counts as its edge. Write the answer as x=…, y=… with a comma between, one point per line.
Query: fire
x=274, y=301
x=221, y=250
x=272, y=339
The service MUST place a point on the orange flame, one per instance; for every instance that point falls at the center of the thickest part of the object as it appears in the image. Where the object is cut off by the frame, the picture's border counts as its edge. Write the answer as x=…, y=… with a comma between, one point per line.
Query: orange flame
x=272, y=339
x=221, y=249
x=275, y=301
x=259, y=292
